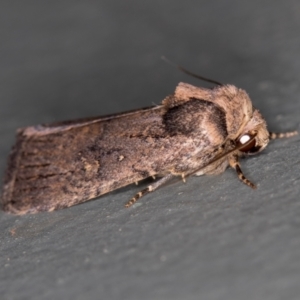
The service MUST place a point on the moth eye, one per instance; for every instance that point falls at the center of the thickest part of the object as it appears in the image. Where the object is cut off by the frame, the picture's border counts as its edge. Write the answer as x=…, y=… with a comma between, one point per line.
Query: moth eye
x=248, y=148
x=245, y=138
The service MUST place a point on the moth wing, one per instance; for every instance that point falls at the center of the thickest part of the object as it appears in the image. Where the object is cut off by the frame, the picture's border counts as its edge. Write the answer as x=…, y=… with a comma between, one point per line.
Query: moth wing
x=61, y=164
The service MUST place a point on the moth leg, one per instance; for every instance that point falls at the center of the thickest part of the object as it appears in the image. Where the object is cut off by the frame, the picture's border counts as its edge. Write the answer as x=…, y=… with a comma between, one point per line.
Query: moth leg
x=149, y=188
x=274, y=135
x=234, y=163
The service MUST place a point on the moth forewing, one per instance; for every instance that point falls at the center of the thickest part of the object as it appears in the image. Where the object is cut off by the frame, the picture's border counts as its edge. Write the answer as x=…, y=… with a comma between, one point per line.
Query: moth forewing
x=195, y=130
x=59, y=165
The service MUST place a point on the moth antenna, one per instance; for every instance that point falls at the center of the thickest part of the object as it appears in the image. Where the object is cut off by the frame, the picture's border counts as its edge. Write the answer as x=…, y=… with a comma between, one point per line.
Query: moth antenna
x=184, y=70
x=274, y=135
x=223, y=155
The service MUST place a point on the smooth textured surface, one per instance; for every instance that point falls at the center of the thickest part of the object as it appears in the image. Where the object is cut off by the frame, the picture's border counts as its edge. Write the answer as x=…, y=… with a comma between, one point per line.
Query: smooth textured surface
x=211, y=238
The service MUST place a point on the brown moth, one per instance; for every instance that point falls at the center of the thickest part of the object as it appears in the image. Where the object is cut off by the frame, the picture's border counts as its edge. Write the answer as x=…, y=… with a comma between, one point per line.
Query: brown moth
x=194, y=131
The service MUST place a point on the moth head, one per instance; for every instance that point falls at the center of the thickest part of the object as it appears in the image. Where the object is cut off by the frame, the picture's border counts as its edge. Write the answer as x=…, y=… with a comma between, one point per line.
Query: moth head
x=255, y=130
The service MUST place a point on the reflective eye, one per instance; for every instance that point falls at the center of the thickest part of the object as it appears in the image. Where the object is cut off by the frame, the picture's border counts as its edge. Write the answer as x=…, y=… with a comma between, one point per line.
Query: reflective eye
x=245, y=138
x=248, y=148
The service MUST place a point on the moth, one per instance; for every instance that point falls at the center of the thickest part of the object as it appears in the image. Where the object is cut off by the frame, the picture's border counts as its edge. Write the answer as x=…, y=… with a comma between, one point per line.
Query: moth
x=194, y=131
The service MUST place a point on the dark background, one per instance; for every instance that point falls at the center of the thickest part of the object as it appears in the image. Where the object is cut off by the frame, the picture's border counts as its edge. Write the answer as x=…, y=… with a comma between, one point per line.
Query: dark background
x=211, y=238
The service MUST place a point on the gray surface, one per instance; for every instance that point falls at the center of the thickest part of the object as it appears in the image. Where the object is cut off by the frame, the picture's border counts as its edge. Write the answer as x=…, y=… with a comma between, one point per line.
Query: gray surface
x=211, y=238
